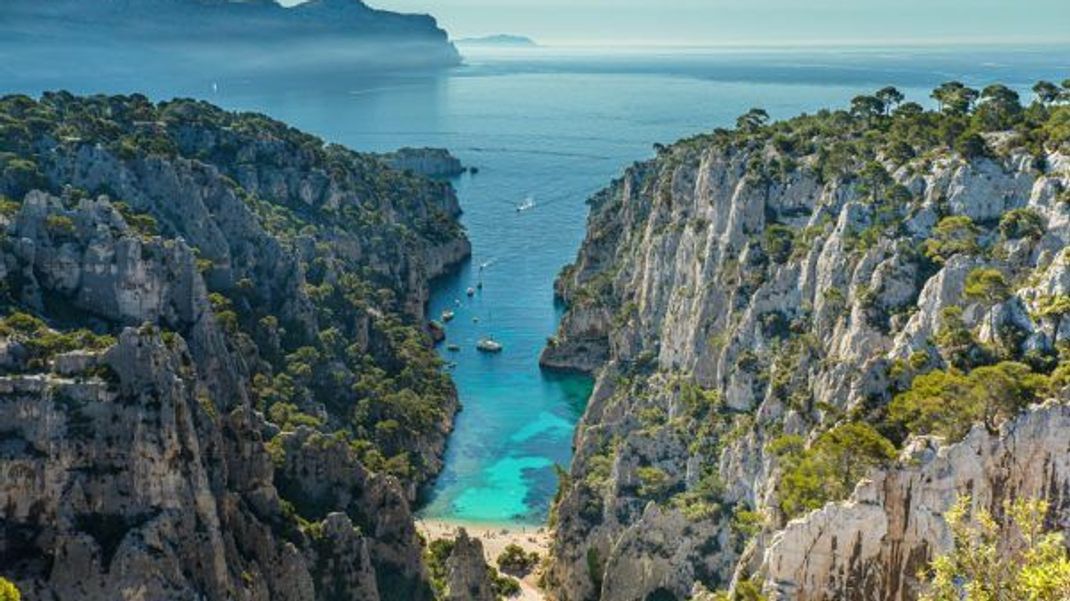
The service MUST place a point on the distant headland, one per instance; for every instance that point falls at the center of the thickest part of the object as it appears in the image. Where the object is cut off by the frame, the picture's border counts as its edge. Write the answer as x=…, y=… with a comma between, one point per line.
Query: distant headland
x=512, y=41
x=223, y=36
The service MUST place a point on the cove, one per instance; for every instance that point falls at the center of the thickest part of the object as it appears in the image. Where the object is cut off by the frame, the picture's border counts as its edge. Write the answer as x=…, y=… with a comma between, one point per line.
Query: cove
x=549, y=127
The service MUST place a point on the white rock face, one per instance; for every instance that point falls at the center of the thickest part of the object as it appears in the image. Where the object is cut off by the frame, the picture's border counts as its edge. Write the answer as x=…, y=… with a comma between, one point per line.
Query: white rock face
x=431, y=162
x=140, y=472
x=680, y=287
x=872, y=546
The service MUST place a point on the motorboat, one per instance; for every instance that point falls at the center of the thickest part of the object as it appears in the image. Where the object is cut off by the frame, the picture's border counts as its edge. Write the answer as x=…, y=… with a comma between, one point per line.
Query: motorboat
x=489, y=345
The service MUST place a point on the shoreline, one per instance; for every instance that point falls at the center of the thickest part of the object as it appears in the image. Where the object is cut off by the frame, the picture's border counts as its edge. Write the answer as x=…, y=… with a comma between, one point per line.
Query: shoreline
x=495, y=536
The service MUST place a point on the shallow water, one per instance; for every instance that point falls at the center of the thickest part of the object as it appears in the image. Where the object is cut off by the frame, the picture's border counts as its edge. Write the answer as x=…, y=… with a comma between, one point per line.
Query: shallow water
x=550, y=127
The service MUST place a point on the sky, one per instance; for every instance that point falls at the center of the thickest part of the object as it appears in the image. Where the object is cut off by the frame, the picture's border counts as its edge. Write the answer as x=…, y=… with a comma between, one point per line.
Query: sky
x=751, y=22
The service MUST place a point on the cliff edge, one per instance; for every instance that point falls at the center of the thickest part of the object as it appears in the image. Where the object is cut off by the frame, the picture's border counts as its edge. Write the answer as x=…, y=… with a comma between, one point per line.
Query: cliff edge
x=778, y=312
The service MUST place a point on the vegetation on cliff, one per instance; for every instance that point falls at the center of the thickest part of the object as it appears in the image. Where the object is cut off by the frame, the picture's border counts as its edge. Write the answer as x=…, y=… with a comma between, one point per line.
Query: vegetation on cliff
x=1016, y=558
x=458, y=575
x=276, y=284
x=375, y=378
x=786, y=305
x=8, y=591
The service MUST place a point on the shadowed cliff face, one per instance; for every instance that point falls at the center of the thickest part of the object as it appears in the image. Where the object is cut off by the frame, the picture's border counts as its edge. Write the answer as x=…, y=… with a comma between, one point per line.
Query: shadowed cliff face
x=195, y=38
x=746, y=299
x=214, y=379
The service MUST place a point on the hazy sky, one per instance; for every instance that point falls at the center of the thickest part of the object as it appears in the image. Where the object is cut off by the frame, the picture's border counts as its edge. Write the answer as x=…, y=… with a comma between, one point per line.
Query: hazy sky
x=714, y=22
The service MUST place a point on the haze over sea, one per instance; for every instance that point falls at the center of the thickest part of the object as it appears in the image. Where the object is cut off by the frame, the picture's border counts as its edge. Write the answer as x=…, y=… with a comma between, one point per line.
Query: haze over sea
x=551, y=127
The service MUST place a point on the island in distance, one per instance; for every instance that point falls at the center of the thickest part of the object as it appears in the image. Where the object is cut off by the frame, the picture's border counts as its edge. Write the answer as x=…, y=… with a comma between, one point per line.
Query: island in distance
x=502, y=40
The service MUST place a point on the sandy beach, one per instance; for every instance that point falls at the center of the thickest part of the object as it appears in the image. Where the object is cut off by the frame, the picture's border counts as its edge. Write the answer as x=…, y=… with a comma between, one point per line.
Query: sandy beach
x=495, y=538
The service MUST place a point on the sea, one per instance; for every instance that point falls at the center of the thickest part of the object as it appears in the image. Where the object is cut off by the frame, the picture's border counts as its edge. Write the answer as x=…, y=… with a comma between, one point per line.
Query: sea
x=545, y=128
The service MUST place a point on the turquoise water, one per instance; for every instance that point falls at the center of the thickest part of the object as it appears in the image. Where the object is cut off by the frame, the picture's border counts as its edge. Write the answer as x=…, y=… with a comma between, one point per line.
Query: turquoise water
x=551, y=127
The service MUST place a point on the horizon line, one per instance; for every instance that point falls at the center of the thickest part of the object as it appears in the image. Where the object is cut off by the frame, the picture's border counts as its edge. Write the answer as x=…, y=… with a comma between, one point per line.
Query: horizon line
x=748, y=45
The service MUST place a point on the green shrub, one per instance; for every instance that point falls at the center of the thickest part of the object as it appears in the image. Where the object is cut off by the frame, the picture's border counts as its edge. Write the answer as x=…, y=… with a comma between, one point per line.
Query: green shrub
x=503, y=586
x=596, y=568
x=288, y=417
x=948, y=403
x=59, y=225
x=516, y=561
x=44, y=343
x=951, y=236
x=653, y=482
x=1053, y=306
x=955, y=341
x=8, y=207
x=919, y=360
x=435, y=556
x=1016, y=558
x=777, y=242
x=747, y=523
x=986, y=285
x=143, y=223
x=8, y=590
x=1021, y=223
x=703, y=500
x=829, y=469
x=971, y=145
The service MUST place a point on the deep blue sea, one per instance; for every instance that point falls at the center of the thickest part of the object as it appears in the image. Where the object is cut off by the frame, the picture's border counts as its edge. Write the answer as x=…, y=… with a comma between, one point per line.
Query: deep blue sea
x=547, y=128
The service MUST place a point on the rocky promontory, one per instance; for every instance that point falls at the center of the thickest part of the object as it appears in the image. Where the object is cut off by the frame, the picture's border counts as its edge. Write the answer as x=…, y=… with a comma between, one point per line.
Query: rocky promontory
x=214, y=379
x=810, y=337
x=214, y=39
x=429, y=162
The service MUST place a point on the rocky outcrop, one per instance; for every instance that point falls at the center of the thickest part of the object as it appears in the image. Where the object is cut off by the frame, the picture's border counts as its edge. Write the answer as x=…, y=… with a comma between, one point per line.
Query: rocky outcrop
x=321, y=475
x=429, y=162
x=164, y=431
x=874, y=545
x=731, y=293
x=275, y=218
x=467, y=572
x=125, y=487
x=142, y=470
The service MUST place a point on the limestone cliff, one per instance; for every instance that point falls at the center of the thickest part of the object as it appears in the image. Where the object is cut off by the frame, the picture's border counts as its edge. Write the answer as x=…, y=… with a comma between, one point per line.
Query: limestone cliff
x=874, y=545
x=467, y=573
x=748, y=296
x=214, y=380
x=430, y=162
